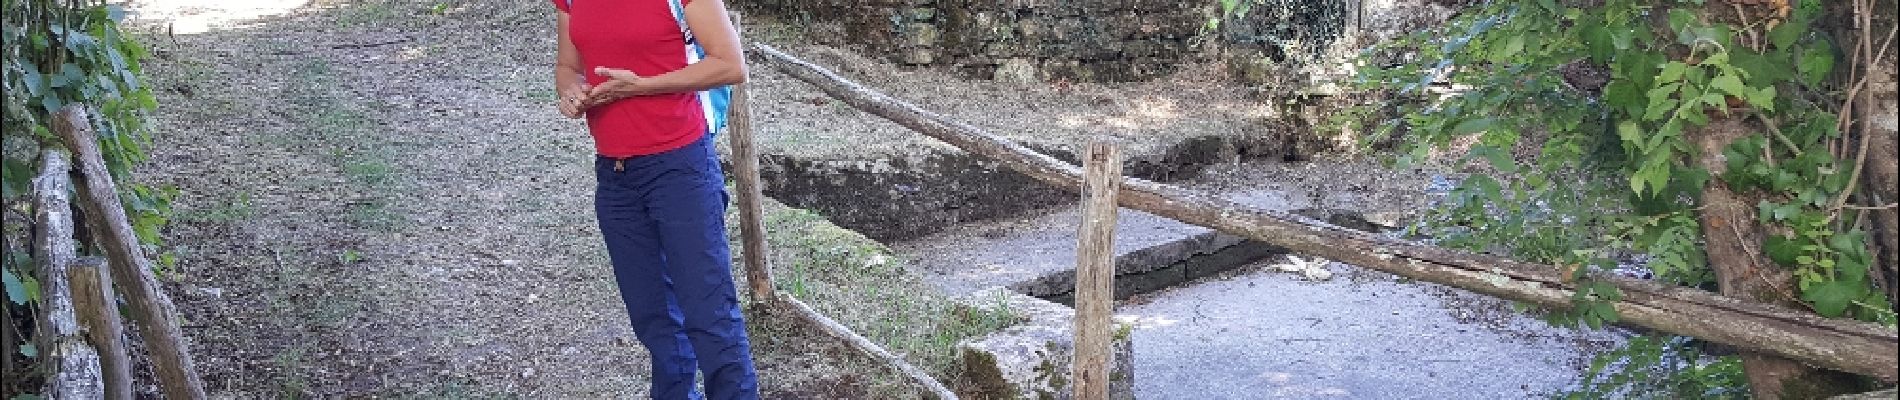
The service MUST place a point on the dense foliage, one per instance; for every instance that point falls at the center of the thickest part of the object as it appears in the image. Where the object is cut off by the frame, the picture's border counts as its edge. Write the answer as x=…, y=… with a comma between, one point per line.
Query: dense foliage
x=1572, y=116
x=1612, y=169
x=58, y=53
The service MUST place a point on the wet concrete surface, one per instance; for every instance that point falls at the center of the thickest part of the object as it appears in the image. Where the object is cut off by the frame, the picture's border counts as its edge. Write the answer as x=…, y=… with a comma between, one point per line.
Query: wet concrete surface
x=1248, y=332
x=969, y=258
x=1259, y=334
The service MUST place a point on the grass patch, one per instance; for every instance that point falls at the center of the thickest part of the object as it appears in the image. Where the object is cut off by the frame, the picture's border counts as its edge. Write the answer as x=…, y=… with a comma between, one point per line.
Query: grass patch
x=538, y=94
x=291, y=385
x=454, y=389
x=374, y=214
x=326, y=119
x=859, y=283
x=372, y=171
x=238, y=208
x=366, y=13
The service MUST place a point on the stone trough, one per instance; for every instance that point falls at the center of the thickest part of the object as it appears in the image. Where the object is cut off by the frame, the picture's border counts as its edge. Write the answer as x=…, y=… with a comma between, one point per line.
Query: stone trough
x=925, y=189
x=1030, y=360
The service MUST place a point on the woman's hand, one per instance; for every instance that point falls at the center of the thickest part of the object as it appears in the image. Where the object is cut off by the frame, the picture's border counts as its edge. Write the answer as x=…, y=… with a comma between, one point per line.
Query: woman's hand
x=574, y=100
x=620, y=84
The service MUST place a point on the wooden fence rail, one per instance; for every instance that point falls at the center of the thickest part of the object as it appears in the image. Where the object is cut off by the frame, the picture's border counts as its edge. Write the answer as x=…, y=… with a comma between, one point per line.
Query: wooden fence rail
x=1851, y=346
x=131, y=270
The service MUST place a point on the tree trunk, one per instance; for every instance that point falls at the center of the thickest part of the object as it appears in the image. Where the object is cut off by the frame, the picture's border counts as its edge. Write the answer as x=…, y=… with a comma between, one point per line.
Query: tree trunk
x=1733, y=235
x=1845, y=345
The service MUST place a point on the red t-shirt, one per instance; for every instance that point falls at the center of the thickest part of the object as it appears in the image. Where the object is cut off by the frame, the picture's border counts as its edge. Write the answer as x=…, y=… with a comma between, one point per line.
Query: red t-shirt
x=640, y=36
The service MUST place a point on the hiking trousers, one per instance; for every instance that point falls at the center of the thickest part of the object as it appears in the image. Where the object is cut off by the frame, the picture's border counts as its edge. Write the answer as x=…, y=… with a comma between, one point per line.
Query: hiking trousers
x=663, y=218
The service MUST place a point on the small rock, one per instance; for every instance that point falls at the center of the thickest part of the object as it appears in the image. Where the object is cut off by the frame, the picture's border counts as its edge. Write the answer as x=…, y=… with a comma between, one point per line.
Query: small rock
x=1317, y=272
x=1016, y=70
x=212, y=292
x=510, y=262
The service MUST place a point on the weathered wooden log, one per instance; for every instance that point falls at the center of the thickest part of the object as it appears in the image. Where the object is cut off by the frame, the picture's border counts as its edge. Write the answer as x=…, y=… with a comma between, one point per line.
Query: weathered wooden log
x=1851, y=346
x=131, y=270
x=95, y=301
x=745, y=173
x=73, y=365
x=1095, y=269
x=922, y=379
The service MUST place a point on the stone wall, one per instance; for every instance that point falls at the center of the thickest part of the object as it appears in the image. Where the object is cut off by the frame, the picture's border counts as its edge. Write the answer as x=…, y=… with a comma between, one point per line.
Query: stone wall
x=1107, y=40
x=1018, y=40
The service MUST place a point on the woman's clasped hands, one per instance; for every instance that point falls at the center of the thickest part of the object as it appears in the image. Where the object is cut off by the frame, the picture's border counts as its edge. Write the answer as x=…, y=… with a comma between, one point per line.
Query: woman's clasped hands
x=620, y=84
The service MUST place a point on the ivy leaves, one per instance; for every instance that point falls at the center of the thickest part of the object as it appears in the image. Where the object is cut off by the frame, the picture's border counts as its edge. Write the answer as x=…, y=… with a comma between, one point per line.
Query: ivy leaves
x=58, y=53
x=1663, y=367
x=1672, y=70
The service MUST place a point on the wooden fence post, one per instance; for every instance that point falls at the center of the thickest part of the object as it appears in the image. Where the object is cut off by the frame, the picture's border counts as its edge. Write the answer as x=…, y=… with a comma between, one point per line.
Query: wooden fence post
x=74, y=366
x=131, y=271
x=1095, y=269
x=745, y=171
x=94, y=300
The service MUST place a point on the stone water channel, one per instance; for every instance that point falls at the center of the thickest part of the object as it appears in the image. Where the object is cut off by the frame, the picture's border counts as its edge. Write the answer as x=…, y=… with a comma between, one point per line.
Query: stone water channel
x=1217, y=317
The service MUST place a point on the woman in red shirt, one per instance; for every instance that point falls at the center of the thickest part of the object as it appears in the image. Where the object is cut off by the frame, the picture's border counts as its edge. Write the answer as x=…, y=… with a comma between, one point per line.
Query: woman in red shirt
x=634, y=69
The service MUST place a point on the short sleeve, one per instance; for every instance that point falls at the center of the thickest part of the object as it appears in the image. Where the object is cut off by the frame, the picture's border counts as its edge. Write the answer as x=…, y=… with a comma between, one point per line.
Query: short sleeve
x=561, y=4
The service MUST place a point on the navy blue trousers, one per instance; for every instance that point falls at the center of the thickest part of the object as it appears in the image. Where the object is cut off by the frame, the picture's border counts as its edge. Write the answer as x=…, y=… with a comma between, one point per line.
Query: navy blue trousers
x=663, y=217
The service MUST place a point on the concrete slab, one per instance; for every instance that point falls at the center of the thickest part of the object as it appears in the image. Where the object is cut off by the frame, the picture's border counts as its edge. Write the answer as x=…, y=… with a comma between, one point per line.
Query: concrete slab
x=1271, y=335
x=1036, y=255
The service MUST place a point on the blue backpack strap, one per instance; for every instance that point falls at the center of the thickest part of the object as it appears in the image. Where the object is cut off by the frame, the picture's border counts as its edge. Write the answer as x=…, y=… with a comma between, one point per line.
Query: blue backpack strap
x=679, y=17
x=713, y=102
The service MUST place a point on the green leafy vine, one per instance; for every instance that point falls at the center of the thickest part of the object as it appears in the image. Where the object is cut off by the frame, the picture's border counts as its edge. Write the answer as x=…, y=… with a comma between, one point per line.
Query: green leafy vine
x=1570, y=118
x=58, y=53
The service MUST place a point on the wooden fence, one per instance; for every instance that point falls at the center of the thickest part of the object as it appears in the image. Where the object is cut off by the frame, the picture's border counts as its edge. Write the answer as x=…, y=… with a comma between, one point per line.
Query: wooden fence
x=758, y=270
x=80, y=333
x=1845, y=345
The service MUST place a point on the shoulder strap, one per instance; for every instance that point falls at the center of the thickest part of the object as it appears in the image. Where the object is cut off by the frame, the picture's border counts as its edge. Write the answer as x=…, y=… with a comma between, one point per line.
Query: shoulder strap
x=679, y=16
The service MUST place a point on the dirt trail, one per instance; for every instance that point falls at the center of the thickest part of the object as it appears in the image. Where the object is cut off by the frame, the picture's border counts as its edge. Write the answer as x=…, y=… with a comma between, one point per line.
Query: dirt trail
x=377, y=199
x=380, y=205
